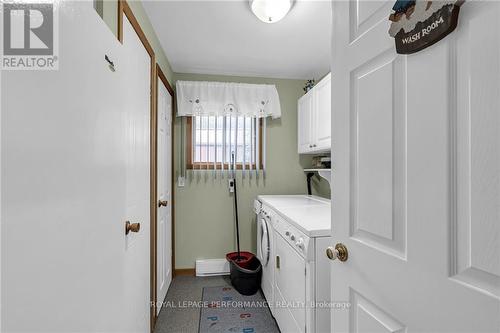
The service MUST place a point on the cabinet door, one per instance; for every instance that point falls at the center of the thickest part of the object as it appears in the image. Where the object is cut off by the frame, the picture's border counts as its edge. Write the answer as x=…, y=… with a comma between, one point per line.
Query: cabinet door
x=322, y=115
x=305, y=110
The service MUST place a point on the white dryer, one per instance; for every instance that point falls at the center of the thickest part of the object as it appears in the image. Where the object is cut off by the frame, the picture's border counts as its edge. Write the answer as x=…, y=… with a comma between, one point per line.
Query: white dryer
x=265, y=250
x=299, y=269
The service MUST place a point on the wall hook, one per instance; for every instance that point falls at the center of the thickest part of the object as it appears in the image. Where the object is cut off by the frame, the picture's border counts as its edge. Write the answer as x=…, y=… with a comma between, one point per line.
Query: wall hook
x=110, y=63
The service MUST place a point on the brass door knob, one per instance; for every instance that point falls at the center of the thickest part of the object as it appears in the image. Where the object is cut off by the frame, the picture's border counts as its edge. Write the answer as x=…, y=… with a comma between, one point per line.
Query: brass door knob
x=339, y=252
x=134, y=227
x=162, y=203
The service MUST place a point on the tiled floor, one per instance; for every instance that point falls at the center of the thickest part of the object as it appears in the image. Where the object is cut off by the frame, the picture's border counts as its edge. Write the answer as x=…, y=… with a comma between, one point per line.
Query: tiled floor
x=175, y=318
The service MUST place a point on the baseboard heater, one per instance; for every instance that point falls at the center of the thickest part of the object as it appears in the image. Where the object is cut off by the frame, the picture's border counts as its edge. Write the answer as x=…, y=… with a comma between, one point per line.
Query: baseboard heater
x=212, y=267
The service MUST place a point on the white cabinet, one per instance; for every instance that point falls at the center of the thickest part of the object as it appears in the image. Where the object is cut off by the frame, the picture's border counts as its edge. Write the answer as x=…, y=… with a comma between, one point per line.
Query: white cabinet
x=305, y=121
x=322, y=106
x=314, y=119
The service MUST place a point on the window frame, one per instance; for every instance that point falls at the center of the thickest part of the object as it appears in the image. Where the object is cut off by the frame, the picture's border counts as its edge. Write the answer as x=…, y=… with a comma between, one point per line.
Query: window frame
x=190, y=165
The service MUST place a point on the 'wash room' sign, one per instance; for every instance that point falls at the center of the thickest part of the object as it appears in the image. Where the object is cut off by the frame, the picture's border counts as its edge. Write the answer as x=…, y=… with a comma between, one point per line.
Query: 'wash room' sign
x=419, y=24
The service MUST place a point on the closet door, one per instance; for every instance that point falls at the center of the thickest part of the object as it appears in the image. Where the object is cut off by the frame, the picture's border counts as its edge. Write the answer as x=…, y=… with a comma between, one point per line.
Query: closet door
x=136, y=95
x=164, y=186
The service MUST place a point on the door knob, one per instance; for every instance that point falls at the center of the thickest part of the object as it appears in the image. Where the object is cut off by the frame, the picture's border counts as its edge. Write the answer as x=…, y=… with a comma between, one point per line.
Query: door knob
x=339, y=252
x=134, y=227
x=162, y=203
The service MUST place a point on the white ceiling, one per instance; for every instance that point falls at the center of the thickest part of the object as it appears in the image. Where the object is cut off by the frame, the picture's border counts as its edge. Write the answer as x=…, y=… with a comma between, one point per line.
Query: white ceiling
x=224, y=37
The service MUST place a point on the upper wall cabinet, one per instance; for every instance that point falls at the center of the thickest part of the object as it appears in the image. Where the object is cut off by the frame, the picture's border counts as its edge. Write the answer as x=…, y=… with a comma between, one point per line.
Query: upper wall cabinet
x=314, y=119
x=305, y=115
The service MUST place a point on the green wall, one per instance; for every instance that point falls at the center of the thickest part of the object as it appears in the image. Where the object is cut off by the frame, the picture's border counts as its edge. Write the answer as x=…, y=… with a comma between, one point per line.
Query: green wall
x=204, y=220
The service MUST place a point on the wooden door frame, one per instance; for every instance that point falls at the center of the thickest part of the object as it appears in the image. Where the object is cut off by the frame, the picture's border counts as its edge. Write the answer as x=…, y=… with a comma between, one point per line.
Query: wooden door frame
x=124, y=9
x=161, y=77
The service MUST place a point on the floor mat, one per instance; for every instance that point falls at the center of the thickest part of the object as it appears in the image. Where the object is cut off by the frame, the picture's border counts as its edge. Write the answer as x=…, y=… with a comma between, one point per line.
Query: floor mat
x=226, y=310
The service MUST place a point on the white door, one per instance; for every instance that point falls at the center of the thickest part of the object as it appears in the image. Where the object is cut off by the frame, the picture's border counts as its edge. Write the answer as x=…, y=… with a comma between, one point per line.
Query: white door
x=265, y=245
x=322, y=114
x=136, y=95
x=265, y=254
x=164, y=179
x=416, y=187
x=304, y=122
x=63, y=153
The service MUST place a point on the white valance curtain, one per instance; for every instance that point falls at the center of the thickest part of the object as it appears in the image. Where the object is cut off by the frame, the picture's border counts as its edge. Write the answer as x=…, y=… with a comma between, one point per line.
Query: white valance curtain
x=227, y=116
x=202, y=98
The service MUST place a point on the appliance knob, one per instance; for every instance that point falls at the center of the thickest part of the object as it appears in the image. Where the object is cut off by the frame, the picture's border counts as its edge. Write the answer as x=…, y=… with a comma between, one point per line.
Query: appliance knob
x=292, y=237
x=300, y=243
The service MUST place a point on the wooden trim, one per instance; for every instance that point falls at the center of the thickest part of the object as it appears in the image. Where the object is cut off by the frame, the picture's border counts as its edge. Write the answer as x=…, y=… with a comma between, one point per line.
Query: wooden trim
x=261, y=128
x=189, y=143
x=120, y=21
x=167, y=85
x=209, y=165
x=125, y=10
x=163, y=79
x=153, y=194
x=185, y=272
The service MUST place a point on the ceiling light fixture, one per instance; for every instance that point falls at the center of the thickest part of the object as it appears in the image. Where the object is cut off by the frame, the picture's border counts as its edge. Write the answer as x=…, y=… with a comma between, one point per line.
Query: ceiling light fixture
x=270, y=11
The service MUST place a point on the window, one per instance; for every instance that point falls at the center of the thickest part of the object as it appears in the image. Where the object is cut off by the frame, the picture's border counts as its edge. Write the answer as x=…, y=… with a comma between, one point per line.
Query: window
x=211, y=140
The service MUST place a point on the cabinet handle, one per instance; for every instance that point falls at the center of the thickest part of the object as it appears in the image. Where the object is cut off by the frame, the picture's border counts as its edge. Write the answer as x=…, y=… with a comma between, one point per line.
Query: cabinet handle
x=314, y=145
x=310, y=146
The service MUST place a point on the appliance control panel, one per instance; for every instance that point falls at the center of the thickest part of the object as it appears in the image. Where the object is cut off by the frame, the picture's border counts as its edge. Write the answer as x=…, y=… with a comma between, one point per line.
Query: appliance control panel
x=297, y=239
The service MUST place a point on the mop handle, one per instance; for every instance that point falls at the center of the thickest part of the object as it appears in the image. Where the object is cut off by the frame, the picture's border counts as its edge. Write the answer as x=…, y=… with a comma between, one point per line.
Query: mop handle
x=236, y=208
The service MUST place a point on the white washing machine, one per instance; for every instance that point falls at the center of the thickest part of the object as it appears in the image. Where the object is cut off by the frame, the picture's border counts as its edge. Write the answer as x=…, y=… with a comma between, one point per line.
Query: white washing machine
x=265, y=250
